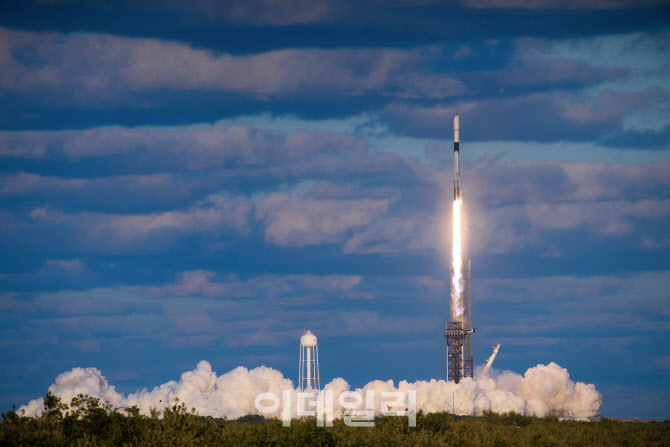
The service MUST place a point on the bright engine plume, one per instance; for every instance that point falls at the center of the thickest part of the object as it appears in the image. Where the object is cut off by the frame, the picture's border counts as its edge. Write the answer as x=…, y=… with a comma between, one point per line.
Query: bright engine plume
x=457, y=264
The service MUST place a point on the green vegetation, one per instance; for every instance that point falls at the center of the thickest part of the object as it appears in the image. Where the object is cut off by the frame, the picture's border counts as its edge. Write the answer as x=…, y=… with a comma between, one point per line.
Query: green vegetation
x=85, y=422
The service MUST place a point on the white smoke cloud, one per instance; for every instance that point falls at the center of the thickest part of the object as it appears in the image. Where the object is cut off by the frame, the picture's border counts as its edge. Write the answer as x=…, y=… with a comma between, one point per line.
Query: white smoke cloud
x=542, y=390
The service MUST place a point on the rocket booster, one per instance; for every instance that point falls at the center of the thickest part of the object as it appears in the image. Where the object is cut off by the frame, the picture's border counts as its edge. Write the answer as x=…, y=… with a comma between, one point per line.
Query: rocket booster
x=457, y=171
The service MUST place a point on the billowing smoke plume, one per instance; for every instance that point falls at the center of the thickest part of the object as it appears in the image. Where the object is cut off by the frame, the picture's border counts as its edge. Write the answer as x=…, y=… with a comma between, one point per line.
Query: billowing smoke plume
x=542, y=390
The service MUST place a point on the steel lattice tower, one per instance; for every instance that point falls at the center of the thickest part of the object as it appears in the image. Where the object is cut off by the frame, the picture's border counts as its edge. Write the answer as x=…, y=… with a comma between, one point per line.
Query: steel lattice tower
x=459, y=335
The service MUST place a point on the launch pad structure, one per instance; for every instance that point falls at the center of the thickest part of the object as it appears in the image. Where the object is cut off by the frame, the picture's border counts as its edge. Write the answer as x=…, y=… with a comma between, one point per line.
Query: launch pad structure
x=458, y=335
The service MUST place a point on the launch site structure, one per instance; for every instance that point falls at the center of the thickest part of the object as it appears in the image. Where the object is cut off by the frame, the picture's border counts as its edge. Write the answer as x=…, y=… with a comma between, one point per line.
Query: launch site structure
x=458, y=334
x=308, y=369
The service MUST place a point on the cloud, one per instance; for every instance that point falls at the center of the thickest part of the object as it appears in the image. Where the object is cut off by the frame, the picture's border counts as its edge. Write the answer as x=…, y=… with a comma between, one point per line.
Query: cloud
x=233, y=12
x=647, y=139
x=562, y=4
x=613, y=218
x=607, y=106
x=54, y=274
x=201, y=283
x=544, y=182
x=115, y=194
x=292, y=220
x=537, y=92
x=120, y=64
x=613, y=313
x=515, y=205
x=141, y=212
x=196, y=147
x=25, y=183
x=367, y=323
x=511, y=205
x=195, y=283
x=394, y=235
x=168, y=313
x=145, y=169
x=97, y=302
x=569, y=291
x=549, y=116
x=535, y=62
x=124, y=233
x=525, y=95
x=121, y=193
x=258, y=12
x=198, y=309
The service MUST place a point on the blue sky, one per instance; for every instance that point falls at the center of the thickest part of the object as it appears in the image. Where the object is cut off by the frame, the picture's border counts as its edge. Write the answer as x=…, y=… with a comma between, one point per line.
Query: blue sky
x=183, y=181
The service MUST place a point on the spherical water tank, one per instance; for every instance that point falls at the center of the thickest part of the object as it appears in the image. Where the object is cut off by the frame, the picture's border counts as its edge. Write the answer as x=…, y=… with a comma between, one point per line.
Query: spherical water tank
x=308, y=340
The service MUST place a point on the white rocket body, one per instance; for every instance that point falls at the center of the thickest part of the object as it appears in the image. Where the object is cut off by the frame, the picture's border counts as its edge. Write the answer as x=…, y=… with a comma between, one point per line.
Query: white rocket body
x=457, y=170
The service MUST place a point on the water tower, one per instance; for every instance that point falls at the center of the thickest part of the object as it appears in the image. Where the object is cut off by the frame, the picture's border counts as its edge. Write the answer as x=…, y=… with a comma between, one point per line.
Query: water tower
x=308, y=377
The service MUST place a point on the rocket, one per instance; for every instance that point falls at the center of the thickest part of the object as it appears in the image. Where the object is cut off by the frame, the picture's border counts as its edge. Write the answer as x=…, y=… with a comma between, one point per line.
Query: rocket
x=457, y=171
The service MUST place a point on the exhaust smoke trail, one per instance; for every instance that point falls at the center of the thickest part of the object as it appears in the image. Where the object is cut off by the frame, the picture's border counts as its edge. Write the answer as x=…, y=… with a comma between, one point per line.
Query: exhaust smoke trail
x=457, y=265
x=542, y=390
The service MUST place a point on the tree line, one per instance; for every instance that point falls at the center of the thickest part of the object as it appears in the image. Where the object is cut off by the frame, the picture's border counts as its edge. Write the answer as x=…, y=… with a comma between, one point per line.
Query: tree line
x=85, y=421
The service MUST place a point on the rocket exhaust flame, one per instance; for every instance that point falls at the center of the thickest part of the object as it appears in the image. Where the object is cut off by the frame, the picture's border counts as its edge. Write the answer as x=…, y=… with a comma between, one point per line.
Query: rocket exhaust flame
x=457, y=265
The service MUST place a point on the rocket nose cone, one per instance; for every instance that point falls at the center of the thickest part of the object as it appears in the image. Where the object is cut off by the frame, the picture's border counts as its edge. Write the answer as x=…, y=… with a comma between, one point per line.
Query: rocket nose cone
x=457, y=123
